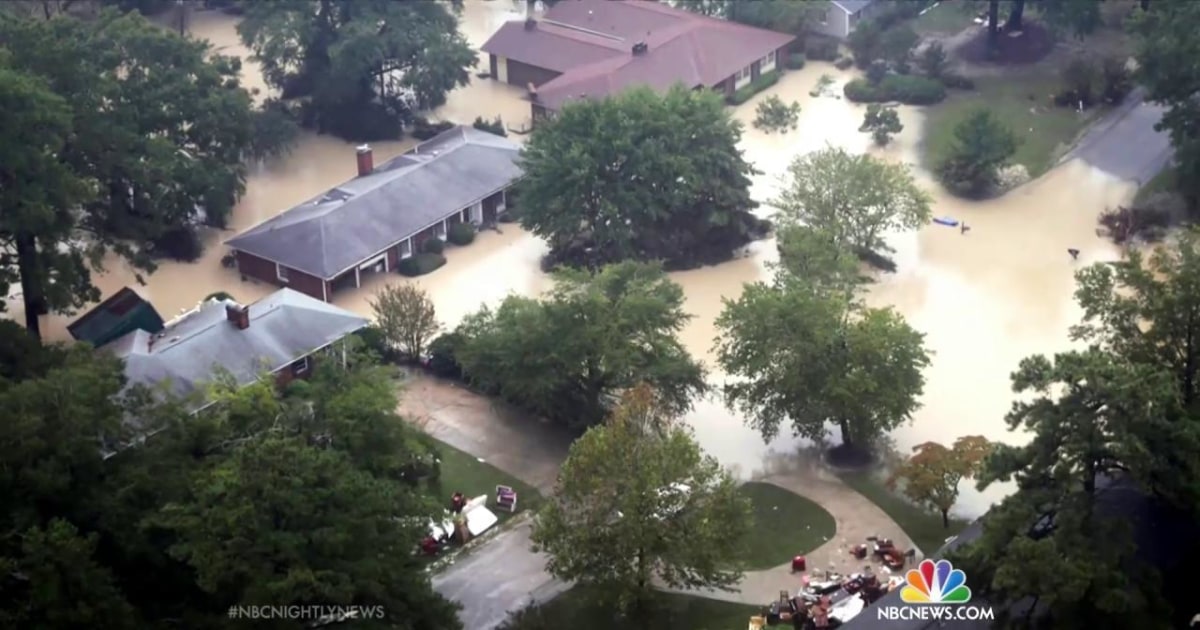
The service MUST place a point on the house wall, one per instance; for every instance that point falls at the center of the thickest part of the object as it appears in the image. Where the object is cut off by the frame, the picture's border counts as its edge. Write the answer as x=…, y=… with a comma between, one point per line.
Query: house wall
x=522, y=74
x=285, y=375
x=261, y=269
x=836, y=21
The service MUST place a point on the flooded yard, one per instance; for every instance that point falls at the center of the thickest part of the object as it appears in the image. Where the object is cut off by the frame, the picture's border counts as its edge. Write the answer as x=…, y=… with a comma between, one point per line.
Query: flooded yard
x=984, y=299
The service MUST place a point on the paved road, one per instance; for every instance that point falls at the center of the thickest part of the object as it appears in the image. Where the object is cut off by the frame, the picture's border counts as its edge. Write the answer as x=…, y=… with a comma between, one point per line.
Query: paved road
x=496, y=578
x=1125, y=145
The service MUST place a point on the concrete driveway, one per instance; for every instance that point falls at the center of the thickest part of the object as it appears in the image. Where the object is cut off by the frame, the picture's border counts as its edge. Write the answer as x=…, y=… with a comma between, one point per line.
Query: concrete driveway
x=1125, y=144
x=496, y=578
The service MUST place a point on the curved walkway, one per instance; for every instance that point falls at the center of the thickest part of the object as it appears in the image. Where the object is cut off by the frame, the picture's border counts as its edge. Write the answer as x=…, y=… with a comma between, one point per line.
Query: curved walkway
x=856, y=518
x=532, y=452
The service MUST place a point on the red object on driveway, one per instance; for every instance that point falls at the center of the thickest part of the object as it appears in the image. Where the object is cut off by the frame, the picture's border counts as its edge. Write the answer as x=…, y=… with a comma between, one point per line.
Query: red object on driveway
x=799, y=564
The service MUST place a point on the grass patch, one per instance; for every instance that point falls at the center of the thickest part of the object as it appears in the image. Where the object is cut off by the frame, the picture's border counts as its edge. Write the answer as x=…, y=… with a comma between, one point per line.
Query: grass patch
x=1023, y=104
x=948, y=18
x=463, y=472
x=577, y=610
x=785, y=524
x=1164, y=182
x=923, y=527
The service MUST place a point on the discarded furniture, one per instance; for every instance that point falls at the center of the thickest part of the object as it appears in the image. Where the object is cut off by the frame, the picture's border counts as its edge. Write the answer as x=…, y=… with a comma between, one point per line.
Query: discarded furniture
x=506, y=498
x=859, y=551
x=799, y=564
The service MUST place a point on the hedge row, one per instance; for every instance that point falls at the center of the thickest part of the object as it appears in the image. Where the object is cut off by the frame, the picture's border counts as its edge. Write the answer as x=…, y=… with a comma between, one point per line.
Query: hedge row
x=907, y=89
x=420, y=264
x=764, y=81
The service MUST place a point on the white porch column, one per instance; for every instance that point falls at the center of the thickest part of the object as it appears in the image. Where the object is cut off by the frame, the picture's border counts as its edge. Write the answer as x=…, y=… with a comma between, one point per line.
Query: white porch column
x=357, y=280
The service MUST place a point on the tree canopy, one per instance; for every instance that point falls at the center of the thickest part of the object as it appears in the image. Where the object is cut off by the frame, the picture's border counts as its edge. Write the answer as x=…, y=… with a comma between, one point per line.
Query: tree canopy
x=569, y=357
x=405, y=316
x=982, y=147
x=637, y=499
x=1164, y=35
x=1118, y=415
x=143, y=136
x=803, y=350
x=639, y=176
x=367, y=65
x=309, y=497
x=930, y=476
x=855, y=198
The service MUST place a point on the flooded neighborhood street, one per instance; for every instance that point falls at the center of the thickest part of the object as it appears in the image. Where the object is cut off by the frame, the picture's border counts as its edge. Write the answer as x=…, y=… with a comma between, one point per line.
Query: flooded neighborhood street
x=985, y=299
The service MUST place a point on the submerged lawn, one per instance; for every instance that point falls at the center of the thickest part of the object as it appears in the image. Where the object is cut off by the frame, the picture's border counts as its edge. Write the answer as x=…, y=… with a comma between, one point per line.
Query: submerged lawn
x=1023, y=104
x=785, y=524
x=576, y=610
x=923, y=527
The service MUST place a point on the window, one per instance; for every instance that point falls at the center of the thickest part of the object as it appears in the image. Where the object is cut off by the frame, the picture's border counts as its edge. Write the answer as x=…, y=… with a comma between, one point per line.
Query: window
x=406, y=248
x=281, y=272
x=300, y=367
x=744, y=73
x=767, y=61
x=823, y=16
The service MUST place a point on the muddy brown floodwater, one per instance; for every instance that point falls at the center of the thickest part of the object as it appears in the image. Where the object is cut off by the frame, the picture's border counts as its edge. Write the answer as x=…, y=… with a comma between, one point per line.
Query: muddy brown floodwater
x=985, y=299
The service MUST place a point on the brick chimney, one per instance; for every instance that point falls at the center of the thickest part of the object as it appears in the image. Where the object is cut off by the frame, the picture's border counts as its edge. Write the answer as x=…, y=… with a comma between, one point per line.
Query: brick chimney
x=366, y=160
x=239, y=315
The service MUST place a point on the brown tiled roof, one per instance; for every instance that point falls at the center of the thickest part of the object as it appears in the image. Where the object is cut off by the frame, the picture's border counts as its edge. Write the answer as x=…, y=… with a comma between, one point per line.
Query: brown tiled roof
x=590, y=42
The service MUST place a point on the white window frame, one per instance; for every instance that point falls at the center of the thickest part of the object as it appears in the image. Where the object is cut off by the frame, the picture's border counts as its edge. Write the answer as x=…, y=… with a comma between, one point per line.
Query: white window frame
x=281, y=272
x=439, y=231
x=300, y=366
x=405, y=248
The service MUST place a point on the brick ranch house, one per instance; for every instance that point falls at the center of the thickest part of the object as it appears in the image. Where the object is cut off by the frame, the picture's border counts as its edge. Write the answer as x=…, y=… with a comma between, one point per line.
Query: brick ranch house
x=368, y=224
x=281, y=334
x=594, y=48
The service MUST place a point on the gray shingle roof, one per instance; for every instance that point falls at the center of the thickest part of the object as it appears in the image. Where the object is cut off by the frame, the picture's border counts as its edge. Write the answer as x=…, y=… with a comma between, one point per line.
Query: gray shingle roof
x=348, y=224
x=284, y=327
x=853, y=6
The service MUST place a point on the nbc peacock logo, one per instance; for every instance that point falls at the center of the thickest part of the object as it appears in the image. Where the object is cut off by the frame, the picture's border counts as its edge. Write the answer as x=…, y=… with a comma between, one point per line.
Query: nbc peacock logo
x=935, y=583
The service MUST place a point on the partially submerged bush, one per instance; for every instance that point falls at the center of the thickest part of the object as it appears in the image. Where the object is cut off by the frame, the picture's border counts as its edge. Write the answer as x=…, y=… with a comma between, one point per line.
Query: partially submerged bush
x=495, y=126
x=433, y=246
x=910, y=90
x=795, y=61
x=1148, y=222
x=882, y=123
x=774, y=115
x=443, y=359
x=461, y=234
x=423, y=129
x=420, y=264
x=843, y=63
x=821, y=49
x=764, y=81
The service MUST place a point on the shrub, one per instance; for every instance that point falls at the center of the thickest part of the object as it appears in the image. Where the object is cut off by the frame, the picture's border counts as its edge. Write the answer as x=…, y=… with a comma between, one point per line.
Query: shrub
x=775, y=115
x=821, y=49
x=1115, y=81
x=843, y=63
x=1081, y=83
x=982, y=147
x=1148, y=222
x=957, y=81
x=877, y=71
x=932, y=61
x=443, y=356
x=764, y=81
x=896, y=45
x=864, y=42
x=424, y=130
x=882, y=123
x=420, y=264
x=461, y=234
x=496, y=126
x=375, y=341
x=795, y=61
x=433, y=246
x=910, y=90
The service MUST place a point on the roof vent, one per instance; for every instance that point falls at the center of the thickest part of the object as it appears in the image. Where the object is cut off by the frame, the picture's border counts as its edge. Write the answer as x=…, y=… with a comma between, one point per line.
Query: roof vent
x=640, y=48
x=530, y=24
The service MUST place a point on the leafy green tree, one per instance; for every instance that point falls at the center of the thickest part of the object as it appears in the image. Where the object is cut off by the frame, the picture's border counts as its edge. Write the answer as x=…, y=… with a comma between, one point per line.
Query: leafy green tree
x=1088, y=406
x=856, y=198
x=636, y=500
x=1146, y=310
x=773, y=114
x=639, y=176
x=367, y=65
x=930, y=476
x=882, y=123
x=827, y=266
x=569, y=356
x=785, y=16
x=933, y=61
x=151, y=179
x=1163, y=36
x=406, y=317
x=811, y=358
x=982, y=146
